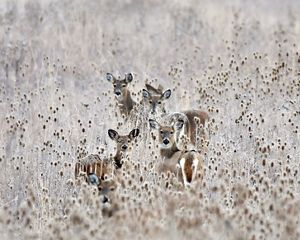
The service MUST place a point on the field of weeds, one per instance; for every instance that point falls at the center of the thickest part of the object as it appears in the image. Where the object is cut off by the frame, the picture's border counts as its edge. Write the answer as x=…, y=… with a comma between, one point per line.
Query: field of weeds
x=237, y=60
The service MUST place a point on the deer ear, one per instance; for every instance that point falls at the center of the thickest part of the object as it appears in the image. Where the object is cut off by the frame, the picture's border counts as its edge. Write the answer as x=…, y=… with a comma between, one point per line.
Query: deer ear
x=109, y=77
x=93, y=179
x=134, y=133
x=179, y=124
x=153, y=124
x=113, y=134
x=128, y=77
x=146, y=94
x=166, y=94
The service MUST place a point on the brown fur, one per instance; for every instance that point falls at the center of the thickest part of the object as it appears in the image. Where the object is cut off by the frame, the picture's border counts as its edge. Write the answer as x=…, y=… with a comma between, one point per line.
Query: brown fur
x=171, y=155
x=169, y=164
x=124, y=100
x=126, y=104
x=106, y=173
x=169, y=159
x=154, y=99
x=187, y=125
x=122, y=141
x=93, y=164
x=190, y=172
x=153, y=90
x=202, y=115
x=103, y=172
x=107, y=185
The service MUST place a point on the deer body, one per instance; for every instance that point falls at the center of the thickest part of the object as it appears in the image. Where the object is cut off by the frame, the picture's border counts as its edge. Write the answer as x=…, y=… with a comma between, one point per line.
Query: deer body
x=169, y=157
x=122, y=93
x=188, y=124
x=126, y=105
x=191, y=125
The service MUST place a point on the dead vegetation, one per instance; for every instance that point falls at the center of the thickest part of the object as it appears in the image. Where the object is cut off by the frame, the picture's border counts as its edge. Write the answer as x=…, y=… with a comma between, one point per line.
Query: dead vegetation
x=238, y=60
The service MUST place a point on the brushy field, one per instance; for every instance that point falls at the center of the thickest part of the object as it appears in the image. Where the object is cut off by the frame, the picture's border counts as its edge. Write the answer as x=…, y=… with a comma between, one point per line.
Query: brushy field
x=238, y=60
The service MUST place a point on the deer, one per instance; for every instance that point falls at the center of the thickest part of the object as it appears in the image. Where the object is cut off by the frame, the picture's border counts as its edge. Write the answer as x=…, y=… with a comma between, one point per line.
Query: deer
x=154, y=99
x=106, y=187
x=122, y=93
x=173, y=159
x=101, y=172
x=151, y=105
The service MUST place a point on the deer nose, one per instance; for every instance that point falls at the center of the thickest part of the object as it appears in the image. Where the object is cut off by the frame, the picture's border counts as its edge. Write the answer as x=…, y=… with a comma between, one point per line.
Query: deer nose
x=124, y=147
x=153, y=109
x=166, y=141
x=118, y=164
x=105, y=199
x=118, y=93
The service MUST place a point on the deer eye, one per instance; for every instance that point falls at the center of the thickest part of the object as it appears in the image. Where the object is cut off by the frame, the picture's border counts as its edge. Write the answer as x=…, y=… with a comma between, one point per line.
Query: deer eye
x=150, y=101
x=100, y=188
x=161, y=132
x=172, y=132
x=115, y=85
x=112, y=189
x=159, y=102
x=123, y=85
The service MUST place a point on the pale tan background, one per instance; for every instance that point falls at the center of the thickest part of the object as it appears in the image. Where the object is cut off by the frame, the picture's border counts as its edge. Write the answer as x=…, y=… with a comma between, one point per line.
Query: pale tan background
x=55, y=54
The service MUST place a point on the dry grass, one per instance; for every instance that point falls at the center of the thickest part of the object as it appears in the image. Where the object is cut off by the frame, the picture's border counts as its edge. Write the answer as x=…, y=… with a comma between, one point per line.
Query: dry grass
x=238, y=60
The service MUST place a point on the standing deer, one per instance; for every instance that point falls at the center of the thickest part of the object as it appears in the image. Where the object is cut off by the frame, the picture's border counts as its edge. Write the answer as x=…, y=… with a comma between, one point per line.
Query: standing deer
x=190, y=162
x=122, y=93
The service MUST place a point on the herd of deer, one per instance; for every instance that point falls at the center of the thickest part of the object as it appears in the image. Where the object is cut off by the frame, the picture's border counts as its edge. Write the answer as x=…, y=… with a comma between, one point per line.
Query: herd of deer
x=181, y=138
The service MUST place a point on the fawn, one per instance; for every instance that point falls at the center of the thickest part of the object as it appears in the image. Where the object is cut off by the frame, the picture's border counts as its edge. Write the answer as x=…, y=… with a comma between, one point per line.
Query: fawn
x=122, y=93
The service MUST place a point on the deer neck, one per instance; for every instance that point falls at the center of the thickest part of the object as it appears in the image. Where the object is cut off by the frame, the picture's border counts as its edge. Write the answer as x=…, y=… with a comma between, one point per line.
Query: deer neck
x=117, y=160
x=126, y=102
x=169, y=152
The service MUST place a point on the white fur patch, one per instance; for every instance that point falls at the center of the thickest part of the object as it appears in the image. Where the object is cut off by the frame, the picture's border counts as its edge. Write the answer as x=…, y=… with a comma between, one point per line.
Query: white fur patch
x=182, y=163
x=164, y=146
